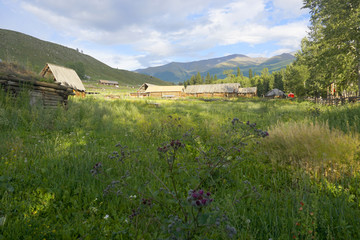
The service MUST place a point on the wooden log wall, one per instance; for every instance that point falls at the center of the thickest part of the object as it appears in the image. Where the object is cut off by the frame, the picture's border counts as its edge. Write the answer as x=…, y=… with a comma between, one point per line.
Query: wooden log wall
x=43, y=93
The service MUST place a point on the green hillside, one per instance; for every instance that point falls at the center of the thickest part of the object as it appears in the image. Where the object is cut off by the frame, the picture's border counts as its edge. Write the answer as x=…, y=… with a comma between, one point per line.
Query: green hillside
x=34, y=53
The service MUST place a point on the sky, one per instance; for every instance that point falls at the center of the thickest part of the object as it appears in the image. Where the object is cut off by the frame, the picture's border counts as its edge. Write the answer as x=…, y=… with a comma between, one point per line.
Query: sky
x=133, y=34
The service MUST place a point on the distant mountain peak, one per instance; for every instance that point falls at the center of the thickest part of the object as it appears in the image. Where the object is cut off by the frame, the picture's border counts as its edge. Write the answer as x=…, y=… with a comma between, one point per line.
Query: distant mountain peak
x=181, y=71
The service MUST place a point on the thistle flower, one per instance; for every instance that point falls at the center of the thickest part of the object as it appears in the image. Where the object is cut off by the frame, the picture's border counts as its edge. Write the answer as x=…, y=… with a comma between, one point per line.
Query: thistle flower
x=198, y=198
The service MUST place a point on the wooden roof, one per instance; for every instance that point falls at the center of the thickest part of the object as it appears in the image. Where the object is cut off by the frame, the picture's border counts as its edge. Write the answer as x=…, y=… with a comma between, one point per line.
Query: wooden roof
x=155, y=88
x=65, y=76
x=143, y=87
x=248, y=90
x=213, y=88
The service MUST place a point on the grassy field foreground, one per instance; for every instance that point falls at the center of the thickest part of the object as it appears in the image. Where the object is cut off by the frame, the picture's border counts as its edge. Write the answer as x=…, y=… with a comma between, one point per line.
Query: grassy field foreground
x=185, y=169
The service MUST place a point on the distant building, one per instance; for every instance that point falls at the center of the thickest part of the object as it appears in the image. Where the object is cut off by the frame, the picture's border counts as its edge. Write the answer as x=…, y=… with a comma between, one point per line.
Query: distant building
x=248, y=92
x=151, y=90
x=275, y=93
x=107, y=82
x=213, y=90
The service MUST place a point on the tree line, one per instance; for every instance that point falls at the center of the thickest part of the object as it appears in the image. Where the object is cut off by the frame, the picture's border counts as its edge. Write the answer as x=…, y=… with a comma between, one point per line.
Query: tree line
x=329, y=56
x=265, y=81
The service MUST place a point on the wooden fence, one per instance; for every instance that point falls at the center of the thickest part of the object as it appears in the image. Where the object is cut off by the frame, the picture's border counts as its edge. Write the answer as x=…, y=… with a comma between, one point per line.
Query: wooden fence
x=336, y=101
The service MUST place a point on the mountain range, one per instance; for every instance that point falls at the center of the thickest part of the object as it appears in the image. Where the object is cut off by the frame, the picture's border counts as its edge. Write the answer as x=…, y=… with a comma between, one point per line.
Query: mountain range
x=179, y=72
x=34, y=53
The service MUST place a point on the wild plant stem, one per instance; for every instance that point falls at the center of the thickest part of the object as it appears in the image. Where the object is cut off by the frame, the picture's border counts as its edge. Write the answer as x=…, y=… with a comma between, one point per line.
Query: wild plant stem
x=164, y=185
x=171, y=166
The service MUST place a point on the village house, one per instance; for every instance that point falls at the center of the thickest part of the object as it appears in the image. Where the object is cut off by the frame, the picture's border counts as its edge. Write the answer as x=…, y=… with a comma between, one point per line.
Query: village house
x=248, y=92
x=110, y=83
x=151, y=90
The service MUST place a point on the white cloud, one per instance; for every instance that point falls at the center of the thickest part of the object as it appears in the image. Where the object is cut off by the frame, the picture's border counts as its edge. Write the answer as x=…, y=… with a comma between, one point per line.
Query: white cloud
x=162, y=29
x=130, y=62
x=289, y=8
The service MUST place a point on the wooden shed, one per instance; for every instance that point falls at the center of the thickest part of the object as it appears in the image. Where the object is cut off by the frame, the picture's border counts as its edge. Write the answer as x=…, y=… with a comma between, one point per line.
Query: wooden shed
x=248, y=92
x=65, y=76
x=213, y=90
x=107, y=82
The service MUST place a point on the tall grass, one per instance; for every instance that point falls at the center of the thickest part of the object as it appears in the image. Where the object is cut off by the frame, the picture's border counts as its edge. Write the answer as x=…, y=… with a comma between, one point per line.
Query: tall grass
x=48, y=189
x=313, y=147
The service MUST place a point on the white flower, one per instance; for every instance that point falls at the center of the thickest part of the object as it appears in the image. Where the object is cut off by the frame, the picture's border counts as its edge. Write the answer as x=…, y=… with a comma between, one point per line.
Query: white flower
x=247, y=221
x=132, y=196
x=106, y=216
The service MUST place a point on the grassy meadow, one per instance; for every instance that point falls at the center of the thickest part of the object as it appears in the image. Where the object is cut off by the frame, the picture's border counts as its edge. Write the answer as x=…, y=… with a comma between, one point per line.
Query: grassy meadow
x=181, y=169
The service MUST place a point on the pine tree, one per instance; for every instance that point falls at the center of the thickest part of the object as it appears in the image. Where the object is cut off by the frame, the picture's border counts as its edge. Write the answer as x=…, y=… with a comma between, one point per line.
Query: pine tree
x=198, y=79
x=208, y=78
x=250, y=73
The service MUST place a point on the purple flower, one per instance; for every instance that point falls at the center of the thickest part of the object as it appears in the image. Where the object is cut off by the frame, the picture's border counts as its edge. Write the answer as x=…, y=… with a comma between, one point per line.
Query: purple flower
x=197, y=198
x=195, y=195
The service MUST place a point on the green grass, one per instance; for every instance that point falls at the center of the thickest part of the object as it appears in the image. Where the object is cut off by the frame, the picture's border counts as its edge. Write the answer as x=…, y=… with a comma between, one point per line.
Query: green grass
x=47, y=190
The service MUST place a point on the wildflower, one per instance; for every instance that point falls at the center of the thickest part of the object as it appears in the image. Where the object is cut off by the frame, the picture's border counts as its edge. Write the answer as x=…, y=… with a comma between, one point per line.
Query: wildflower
x=134, y=213
x=164, y=149
x=106, y=216
x=311, y=214
x=198, y=198
x=176, y=144
x=300, y=209
x=234, y=121
x=301, y=203
x=96, y=169
x=146, y=201
x=231, y=231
